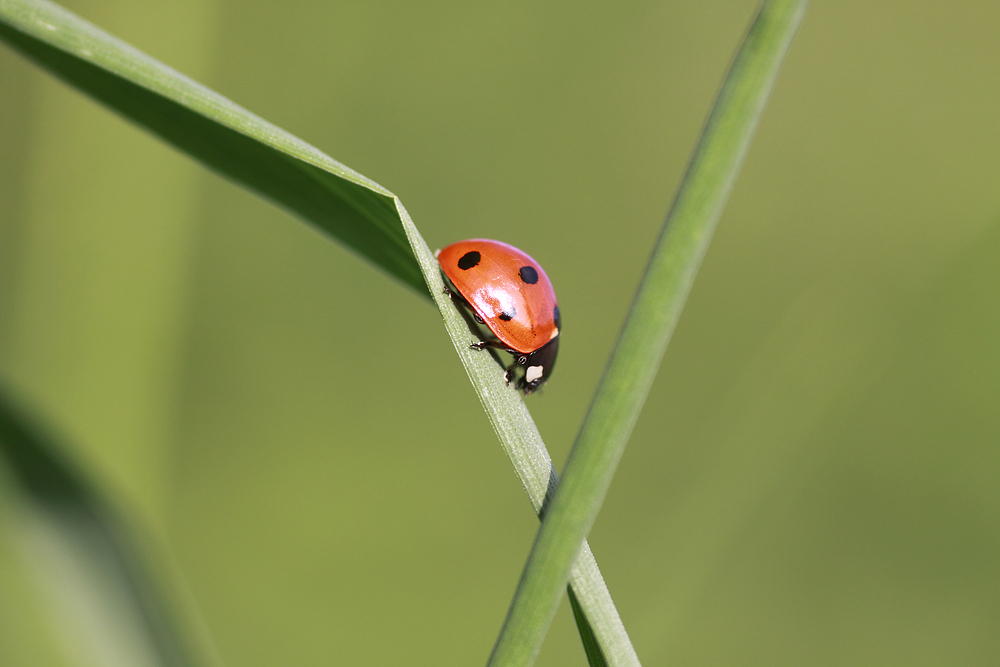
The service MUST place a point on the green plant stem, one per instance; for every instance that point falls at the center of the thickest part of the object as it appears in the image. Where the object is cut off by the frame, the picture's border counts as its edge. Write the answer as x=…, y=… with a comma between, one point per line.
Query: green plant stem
x=519, y=437
x=630, y=372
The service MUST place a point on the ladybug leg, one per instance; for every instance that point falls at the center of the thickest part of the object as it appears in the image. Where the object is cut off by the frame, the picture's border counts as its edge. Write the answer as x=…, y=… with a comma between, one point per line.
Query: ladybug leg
x=456, y=297
x=508, y=374
x=463, y=306
x=520, y=359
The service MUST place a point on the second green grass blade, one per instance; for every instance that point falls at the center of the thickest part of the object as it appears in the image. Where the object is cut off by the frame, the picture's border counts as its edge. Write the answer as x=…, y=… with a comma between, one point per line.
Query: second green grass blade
x=643, y=340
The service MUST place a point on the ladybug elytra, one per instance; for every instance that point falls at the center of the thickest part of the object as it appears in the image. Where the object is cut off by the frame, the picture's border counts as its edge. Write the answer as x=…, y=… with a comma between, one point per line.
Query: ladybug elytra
x=508, y=292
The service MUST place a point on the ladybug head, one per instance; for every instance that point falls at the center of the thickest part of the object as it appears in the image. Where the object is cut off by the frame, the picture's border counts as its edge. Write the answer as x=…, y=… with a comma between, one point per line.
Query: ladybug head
x=538, y=366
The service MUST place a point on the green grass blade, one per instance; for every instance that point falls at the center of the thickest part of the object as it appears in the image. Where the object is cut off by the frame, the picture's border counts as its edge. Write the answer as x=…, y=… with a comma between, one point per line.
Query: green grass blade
x=79, y=548
x=599, y=621
x=350, y=207
x=357, y=211
x=651, y=320
x=230, y=139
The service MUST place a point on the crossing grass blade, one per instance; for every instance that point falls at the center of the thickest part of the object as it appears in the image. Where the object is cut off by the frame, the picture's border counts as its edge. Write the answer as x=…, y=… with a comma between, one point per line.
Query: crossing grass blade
x=358, y=212
x=651, y=320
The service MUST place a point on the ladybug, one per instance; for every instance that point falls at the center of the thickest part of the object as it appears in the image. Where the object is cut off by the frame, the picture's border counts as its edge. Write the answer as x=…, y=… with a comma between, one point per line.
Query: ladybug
x=508, y=292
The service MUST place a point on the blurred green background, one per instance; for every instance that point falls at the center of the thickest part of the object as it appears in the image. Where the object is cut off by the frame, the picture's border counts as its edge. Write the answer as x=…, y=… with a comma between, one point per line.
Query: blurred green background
x=815, y=476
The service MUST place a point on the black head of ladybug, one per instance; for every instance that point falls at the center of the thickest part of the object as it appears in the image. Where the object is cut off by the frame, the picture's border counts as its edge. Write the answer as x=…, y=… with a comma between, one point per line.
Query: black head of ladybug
x=538, y=366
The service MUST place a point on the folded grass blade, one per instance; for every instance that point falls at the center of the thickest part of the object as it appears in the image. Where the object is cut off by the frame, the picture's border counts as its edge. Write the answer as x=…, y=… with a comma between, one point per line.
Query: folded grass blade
x=236, y=143
x=360, y=213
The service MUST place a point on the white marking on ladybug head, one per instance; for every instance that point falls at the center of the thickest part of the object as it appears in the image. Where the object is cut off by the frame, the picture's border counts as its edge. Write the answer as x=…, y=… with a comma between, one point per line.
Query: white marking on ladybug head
x=555, y=333
x=533, y=373
x=437, y=252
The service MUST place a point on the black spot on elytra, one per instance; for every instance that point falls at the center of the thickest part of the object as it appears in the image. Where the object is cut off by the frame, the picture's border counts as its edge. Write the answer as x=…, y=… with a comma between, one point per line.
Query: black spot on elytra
x=528, y=274
x=469, y=260
x=555, y=314
x=508, y=314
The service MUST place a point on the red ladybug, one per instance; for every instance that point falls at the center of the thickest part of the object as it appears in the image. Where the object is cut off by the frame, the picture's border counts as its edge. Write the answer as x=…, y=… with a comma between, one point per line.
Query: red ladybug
x=509, y=292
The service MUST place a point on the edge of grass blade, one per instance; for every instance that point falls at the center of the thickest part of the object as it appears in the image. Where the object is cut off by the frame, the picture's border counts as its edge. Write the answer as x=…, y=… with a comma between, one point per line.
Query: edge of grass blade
x=591, y=646
x=635, y=360
x=599, y=620
x=79, y=549
x=216, y=131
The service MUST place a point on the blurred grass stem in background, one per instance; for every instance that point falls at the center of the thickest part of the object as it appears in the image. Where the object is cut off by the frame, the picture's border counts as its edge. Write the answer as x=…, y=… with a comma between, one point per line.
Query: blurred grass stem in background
x=110, y=611
x=622, y=391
